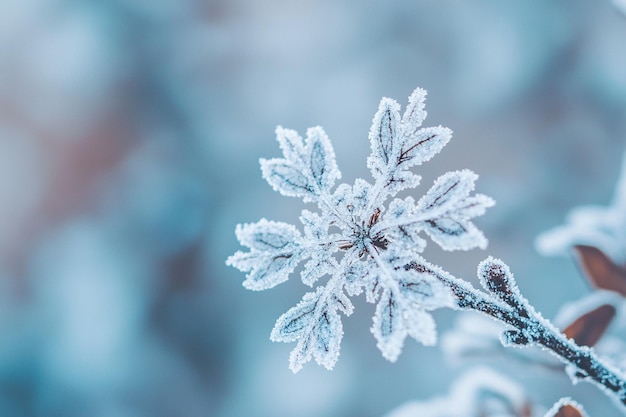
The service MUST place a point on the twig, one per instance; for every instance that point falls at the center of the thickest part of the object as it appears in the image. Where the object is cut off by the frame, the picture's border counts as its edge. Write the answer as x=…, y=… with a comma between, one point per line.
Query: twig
x=504, y=302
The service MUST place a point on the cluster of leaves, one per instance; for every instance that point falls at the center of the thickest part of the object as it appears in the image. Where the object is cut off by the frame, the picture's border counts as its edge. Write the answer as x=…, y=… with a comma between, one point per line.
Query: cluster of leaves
x=362, y=245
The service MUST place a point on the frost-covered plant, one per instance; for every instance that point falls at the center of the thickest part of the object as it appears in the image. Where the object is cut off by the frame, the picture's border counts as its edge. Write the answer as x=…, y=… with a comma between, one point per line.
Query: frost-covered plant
x=375, y=243
x=365, y=243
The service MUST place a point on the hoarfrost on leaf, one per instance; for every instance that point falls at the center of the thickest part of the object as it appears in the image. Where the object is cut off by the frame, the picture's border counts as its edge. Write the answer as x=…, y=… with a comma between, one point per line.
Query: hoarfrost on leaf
x=308, y=168
x=387, y=327
x=275, y=251
x=356, y=240
x=450, y=207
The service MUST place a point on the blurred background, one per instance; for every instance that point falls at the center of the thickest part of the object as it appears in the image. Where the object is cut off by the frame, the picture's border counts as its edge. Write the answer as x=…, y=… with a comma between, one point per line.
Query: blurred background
x=130, y=133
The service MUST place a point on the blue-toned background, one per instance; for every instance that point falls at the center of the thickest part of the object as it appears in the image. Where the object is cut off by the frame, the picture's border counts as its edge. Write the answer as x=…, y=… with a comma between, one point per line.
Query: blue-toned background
x=130, y=132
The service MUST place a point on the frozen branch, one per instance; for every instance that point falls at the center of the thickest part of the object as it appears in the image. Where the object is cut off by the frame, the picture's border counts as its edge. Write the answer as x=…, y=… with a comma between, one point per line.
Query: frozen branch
x=503, y=302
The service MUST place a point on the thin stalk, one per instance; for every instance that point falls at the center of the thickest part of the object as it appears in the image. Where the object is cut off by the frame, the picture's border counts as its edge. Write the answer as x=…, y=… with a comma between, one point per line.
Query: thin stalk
x=530, y=328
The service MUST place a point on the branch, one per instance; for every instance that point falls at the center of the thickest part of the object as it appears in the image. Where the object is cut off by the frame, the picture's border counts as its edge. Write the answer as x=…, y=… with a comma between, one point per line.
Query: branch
x=503, y=302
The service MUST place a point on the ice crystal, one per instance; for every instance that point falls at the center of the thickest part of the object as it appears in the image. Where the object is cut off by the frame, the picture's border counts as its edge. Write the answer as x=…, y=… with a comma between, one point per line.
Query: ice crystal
x=359, y=243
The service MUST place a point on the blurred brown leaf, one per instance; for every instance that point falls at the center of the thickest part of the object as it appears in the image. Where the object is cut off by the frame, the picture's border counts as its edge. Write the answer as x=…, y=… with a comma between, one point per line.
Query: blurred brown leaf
x=568, y=410
x=600, y=269
x=589, y=328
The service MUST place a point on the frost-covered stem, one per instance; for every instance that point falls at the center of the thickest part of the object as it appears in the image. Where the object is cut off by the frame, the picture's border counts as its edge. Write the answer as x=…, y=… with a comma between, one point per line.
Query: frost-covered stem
x=532, y=329
x=588, y=366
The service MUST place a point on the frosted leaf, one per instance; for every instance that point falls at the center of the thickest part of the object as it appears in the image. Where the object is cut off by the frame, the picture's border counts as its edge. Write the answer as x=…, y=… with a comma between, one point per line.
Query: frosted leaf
x=316, y=326
x=388, y=328
x=425, y=290
x=320, y=264
x=287, y=179
x=322, y=156
x=375, y=286
x=419, y=270
x=328, y=334
x=399, y=143
x=448, y=191
x=342, y=199
x=384, y=139
x=301, y=354
x=290, y=143
x=297, y=321
x=475, y=206
x=414, y=114
x=355, y=273
x=356, y=240
x=422, y=145
x=264, y=271
x=401, y=208
x=343, y=303
x=401, y=310
x=450, y=207
x=352, y=201
x=406, y=235
x=275, y=253
x=455, y=234
x=306, y=171
x=421, y=326
x=360, y=196
x=267, y=235
x=402, y=180
x=315, y=226
x=317, y=267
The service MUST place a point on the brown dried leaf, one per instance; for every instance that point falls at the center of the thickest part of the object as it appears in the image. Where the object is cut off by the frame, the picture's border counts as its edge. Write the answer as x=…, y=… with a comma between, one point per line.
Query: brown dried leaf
x=568, y=410
x=600, y=269
x=589, y=328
